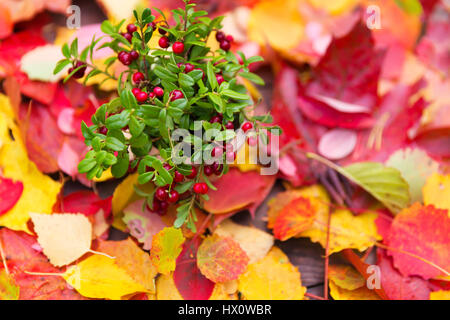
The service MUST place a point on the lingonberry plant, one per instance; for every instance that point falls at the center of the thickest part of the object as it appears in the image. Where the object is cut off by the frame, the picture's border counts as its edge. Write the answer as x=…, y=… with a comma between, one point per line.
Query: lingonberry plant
x=177, y=85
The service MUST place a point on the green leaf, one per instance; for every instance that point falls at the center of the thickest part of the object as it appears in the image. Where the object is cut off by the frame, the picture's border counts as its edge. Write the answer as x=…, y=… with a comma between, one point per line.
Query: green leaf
x=86, y=165
x=252, y=77
x=107, y=27
x=74, y=48
x=211, y=75
x=384, y=183
x=186, y=80
x=165, y=74
x=66, y=51
x=413, y=7
x=115, y=144
x=121, y=167
x=61, y=65
x=235, y=95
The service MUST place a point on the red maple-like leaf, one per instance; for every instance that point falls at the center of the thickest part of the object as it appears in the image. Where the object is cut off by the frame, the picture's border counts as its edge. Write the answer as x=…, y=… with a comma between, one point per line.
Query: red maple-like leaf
x=190, y=282
x=86, y=202
x=10, y=193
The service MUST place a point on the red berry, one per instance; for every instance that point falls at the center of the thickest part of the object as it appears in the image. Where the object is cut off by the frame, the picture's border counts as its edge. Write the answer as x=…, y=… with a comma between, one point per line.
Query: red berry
x=161, y=194
x=158, y=91
x=163, y=206
x=188, y=67
x=229, y=38
x=80, y=73
x=120, y=55
x=173, y=196
x=178, y=47
x=220, y=36
x=229, y=125
x=176, y=94
x=218, y=170
x=216, y=119
x=180, y=65
x=138, y=77
x=135, y=91
x=162, y=31
x=204, y=188
x=178, y=177
x=156, y=205
x=225, y=45
x=198, y=188
x=230, y=156
x=128, y=36
x=152, y=25
x=125, y=58
x=131, y=28
x=142, y=96
x=219, y=79
x=217, y=152
x=151, y=95
x=134, y=55
x=163, y=42
x=208, y=170
x=193, y=173
x=247, y=126
x=103, y=130
x=167, y=166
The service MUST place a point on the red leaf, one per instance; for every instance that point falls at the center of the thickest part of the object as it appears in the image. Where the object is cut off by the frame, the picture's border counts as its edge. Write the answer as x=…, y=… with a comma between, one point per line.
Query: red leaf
x=188, y=279
x=10, y=193
x=18, y=247
x=85, y=202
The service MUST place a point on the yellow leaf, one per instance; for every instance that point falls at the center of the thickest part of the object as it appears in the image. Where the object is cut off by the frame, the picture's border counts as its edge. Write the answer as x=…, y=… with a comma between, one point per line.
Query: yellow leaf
x=254, y=242
x=437, y=191
x=272, y=278
x=270, y=20
x=334, y=7
x=246, y=159
x=166, y=247
x=100, y=277
x=166, y=290
x=8, y=289
x=40, y=191
x=131, y=258
x=440, y=295
x=106, y=175
x=362, y=293
x=346, y=230
x=63, y=237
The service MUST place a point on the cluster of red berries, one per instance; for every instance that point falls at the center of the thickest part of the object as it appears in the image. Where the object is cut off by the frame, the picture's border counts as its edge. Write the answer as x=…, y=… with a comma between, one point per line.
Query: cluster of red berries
x=128, y=57
x=80, y=73
x=164, y=42
x=142, y=96
x=131, y=28
x=164, y=196
x=224, y=40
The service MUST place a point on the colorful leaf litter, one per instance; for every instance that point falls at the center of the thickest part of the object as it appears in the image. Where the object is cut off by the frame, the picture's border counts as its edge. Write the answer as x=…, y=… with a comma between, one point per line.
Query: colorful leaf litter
x=93, y=204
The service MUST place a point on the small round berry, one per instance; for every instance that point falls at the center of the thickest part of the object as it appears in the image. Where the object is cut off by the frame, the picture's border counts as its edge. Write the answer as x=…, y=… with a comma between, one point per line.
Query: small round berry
x=126, y=59
x=204, y=188
x=208, y=170
x=152, y=25
x=180, y=65
x=151, y=95
x=225, y=45
x=161, y=194
x=193, y=173
x=167, y=166
x=173, y=196
x=217, y=152
x=188, y=67
x=198, y=188
x=131, y=28
x=163, y=42
x=178, y=47
x=247, y=126
x=230, y=156
x=128, y=36
x=138, y=77
x=178, y=177
x=220, y=36
x=162, y=31
x=134, y=55
x=103, y=130
x=80, y=73
x=229, y=125
x=219, y=79
x=176, y=94
x=142, y=96
x=135, y=91
x=219, y=170
x=120, y=55
x=216, y=119
x=229, y=38
x=158, y=91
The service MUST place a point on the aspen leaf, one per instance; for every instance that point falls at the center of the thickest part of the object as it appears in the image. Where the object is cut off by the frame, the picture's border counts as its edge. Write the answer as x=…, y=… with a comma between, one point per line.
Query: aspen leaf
x=63, y=237
x=221, y=259
x=166, y=247
x=135, y=261
x=256, y=243
x=100, y=277
x=39, y=191
x=272, y=278
x=347, y=284
x=8, y=289
x=346, y=230
x=437, y=191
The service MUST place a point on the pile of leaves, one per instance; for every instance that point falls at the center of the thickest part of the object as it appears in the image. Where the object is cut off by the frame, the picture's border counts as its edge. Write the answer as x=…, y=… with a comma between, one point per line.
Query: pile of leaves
x=359, y=208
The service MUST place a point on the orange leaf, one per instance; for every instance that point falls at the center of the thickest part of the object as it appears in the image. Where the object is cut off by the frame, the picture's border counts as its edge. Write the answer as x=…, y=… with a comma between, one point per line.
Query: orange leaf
x=221, y=259
x=296, y=217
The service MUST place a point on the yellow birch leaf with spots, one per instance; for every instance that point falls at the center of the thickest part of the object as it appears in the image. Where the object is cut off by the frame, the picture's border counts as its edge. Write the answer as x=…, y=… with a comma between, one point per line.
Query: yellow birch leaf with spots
x=63, y=237
x=347, y=284
x=131, y=258
x=39, y=191
x=166, y=247
x=346, y=230
x=100, y=277
x=272, y=278
x=437, y=191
